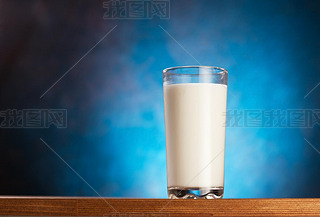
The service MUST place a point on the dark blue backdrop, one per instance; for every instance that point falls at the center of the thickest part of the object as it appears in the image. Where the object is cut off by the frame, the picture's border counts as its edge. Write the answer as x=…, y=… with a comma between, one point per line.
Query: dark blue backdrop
x=115, y=136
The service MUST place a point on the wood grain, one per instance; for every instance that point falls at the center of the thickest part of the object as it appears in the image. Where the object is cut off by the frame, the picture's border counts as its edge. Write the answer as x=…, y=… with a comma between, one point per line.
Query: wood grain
x=75, y=206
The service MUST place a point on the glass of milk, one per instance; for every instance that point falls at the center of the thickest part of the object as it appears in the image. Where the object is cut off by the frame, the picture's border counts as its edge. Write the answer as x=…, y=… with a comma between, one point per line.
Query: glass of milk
x=195, y=99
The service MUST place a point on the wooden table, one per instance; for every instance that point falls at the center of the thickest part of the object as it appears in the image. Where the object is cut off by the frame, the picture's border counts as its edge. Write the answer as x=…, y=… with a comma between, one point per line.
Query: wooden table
x=77, y=206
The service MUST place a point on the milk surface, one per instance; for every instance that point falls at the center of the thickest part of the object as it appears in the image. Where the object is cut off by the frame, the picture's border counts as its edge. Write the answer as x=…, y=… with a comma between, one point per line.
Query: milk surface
x=195, y=134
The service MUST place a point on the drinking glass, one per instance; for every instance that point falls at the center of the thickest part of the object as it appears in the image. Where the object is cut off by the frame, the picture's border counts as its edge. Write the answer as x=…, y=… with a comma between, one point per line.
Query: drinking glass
x=195, y=99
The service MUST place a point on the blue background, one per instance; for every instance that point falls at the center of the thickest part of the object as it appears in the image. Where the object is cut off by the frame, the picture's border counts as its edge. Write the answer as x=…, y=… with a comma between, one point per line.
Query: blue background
x=115, y=137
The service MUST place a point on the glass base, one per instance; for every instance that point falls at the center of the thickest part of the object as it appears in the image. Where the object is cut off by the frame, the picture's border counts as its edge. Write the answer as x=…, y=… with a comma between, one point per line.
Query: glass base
x=195, y=193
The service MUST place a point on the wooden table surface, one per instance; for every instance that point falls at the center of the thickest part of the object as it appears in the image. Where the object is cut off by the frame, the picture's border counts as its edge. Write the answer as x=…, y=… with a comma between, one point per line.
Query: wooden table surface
x=86, y=206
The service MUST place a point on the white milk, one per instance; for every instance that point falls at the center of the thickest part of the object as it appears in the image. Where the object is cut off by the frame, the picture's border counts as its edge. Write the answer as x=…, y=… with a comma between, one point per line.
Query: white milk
x=195, y=134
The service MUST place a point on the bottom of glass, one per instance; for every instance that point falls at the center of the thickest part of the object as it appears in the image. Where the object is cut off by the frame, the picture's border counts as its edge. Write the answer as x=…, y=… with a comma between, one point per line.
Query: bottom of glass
x=195, y=193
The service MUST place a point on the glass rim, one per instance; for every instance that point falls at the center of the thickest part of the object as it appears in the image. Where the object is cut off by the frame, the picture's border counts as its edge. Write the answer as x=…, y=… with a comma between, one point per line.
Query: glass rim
x=168, y=70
